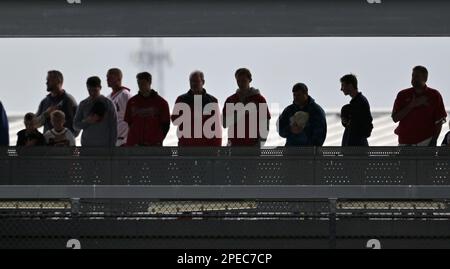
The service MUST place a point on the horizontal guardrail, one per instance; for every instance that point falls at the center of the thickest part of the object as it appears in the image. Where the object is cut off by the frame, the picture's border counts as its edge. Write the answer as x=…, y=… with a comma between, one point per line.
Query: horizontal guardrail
x=224, y=192
x=225, y=173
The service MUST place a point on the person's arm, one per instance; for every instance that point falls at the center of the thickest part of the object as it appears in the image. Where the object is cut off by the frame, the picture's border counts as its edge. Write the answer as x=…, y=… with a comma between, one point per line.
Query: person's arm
x=361, y=119
x=174, y=116
x=71, y=139
x=73, y=112
x=399, y=113
x=284, y=127
x=4, y=127
x=43, y=114
x=165, y=118
x=165, y=128
x=446, y=141
x=112, y=124
x=402, y=113
x=128, y=117
x=79, y=122
x=440, y=116
x=217, y=125
x=19, y=142
x=319, y=128
x=266, y=121
x=224, y=115
x=40, y=109
x=231, y=119
x=263, y=136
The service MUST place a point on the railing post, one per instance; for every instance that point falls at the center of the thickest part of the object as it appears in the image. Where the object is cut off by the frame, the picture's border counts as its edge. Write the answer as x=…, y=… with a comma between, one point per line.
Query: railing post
x=75, y=206
x=332, y=222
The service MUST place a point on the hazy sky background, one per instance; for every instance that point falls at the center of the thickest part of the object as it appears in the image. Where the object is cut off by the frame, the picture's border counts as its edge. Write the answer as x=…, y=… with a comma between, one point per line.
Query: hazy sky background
x=383, y=66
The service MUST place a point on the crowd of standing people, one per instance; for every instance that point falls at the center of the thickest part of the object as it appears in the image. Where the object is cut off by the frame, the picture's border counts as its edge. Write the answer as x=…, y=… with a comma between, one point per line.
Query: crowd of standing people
x=121, y=119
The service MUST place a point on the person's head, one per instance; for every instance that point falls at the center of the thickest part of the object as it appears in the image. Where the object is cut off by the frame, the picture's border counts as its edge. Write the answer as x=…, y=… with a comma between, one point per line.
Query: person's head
x=55, y=81
x=349, y=84
x=197, y=80
x=30, y=121
x=300, y=94
x=114, y=78
x=243, y=78
x=94, y=85
x=58, y=119
x=144, y=81
x=419, y=77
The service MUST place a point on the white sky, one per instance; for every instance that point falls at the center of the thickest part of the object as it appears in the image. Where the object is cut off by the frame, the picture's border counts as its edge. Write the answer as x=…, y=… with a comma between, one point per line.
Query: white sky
x=383, y=66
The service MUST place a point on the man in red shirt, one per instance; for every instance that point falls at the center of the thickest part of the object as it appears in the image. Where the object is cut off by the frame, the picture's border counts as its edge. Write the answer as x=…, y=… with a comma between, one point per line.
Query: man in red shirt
x=200, y=127
x=147, y=115
x=420, y=112
x=246, y=113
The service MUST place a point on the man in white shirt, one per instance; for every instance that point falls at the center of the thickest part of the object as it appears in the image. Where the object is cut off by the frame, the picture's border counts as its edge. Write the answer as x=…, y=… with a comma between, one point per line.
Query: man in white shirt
x=119, y=96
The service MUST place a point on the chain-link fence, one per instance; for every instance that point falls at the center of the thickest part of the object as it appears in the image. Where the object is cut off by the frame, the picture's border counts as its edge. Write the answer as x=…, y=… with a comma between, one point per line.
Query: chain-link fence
x=224, y=197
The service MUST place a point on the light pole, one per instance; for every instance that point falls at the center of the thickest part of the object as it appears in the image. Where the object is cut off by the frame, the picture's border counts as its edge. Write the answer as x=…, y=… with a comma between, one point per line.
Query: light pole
x=152, y=55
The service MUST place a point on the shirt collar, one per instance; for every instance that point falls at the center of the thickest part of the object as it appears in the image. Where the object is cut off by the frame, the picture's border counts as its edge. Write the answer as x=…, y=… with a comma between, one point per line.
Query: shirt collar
x=190, y=92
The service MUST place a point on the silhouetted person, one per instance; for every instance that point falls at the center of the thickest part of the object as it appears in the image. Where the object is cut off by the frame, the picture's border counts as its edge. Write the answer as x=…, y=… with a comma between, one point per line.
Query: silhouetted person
x=196, y=134
x=96, y=116
x=147, y=115
x=346, y=117
x=248, y=116
x=59, y=136
x=57, y=99
x=303, y=123
x=359, y=128
x=4, y=127
x=30, y=136
x=419, y=111
x=120, y=96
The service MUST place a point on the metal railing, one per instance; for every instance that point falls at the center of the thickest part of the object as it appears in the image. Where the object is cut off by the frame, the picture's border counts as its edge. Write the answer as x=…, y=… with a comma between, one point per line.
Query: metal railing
x=225, y=173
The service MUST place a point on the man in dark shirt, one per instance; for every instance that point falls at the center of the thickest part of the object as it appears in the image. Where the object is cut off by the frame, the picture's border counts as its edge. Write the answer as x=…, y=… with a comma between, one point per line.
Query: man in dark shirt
x=57, y=99
x=313, y=130
x=197, y=133
x=359, y=127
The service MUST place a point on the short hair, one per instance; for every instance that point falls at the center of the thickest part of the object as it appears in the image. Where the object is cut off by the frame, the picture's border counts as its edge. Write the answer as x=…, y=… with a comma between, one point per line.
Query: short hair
x=243, y=71
x=197, y=73
x=116, y=71
x=300, y=87
x=58, y=115
x=145, y=76
x=421, y=69
x=57, y=74
x=94, y=82
x=29, y=116
x=350, y=79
